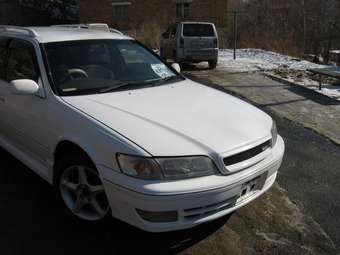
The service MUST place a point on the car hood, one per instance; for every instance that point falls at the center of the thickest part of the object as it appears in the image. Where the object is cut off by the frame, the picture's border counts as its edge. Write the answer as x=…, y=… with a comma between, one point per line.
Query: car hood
x=184, y=118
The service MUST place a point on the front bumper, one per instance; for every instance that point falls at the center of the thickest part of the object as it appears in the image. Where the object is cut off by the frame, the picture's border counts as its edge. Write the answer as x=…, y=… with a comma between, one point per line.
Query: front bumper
x=196, y=207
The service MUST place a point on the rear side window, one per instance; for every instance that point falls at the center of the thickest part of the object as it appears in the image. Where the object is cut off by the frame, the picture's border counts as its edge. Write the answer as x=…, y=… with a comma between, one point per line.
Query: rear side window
x=198, y=30
x=3, y=57
x=22, y=61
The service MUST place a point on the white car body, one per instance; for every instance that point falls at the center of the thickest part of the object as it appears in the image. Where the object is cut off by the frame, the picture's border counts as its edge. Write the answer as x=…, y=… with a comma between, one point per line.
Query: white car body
x=181, y=119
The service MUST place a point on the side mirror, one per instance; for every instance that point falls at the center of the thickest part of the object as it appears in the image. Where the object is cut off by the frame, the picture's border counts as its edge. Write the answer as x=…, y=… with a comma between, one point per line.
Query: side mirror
x=24, y=87
x=177, y=67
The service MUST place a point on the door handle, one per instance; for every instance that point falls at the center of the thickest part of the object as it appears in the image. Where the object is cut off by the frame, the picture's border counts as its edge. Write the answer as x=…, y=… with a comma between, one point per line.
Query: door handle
x=2, y=99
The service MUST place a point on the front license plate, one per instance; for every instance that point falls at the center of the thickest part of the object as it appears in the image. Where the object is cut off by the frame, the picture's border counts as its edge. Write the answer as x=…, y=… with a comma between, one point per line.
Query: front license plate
x=251, y=187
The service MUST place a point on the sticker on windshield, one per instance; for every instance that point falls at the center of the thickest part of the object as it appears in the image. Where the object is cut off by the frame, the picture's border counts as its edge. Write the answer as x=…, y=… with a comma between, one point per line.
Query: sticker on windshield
x=161, y=70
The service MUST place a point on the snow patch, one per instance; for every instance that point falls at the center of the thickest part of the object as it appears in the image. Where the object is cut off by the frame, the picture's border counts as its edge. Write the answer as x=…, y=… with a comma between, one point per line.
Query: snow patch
x=284, y=67
x=251, y=60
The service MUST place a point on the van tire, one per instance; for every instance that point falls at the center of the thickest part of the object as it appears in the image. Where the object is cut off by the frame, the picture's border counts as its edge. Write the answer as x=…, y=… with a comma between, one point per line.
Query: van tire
x=161, y=53
x=212, y=64
x=174, y=56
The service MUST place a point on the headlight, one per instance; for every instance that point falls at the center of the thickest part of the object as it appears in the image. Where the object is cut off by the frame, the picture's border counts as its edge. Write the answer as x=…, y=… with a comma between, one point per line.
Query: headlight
x=139, y=167
x=186, y=167
x=166, y=168
x=274, y=134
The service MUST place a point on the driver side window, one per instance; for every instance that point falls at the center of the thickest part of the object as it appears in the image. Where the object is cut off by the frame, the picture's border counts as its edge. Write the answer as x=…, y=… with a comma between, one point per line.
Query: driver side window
x=22, y=61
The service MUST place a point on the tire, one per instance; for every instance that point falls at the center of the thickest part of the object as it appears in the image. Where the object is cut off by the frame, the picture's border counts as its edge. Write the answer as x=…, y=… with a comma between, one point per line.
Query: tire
x=80, y=189
x=161, y=53
x=183, y=65
x=212, y=64
x=174, y=56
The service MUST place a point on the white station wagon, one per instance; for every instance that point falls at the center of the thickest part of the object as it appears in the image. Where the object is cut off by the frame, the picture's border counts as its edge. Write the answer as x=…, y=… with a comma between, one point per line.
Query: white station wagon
x=120, y=133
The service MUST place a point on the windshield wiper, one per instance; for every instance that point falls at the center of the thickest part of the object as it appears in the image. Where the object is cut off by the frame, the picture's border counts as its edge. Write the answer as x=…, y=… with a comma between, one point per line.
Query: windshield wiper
x=119, y=86
x=165, y=80
x=131, y=85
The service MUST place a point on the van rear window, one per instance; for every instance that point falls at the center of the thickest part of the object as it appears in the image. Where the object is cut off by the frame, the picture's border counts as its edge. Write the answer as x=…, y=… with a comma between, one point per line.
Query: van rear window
x=198, y=30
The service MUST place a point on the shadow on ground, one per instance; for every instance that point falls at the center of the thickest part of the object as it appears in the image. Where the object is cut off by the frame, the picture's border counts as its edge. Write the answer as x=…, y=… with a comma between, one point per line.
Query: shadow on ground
x=33, y=222
x=194, y=67
x=313, y=96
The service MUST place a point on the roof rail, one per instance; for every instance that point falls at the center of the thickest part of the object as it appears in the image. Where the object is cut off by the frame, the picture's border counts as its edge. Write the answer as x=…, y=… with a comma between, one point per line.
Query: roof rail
x=112, y=30
x=99, y=26
x=72, y=25
x=19, y=30
x=92, y=26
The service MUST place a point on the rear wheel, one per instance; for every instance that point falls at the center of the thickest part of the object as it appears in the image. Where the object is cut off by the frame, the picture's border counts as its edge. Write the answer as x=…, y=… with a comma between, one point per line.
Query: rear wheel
x=174, y=56
x=212, y=64
x=81, y=189
x=162, y=53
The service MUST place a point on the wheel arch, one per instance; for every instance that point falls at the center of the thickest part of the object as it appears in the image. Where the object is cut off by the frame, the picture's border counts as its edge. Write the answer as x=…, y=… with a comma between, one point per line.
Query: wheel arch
x=68, y=147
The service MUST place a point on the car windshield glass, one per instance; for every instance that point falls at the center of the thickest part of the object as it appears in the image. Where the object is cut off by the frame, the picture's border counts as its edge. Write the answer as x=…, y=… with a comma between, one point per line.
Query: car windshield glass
x=98, y=66
x=198, y=30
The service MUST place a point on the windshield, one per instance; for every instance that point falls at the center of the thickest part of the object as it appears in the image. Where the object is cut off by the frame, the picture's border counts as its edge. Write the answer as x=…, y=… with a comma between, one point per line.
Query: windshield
x=198, y=30
x=94, y=66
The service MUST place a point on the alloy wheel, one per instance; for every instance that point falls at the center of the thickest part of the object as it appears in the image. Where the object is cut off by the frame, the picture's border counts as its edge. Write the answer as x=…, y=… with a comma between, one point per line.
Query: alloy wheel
x=83, y=193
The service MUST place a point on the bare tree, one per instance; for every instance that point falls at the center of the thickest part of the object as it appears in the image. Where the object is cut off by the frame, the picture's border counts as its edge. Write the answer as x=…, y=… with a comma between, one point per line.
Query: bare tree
x=60, y=9
x=289, y=26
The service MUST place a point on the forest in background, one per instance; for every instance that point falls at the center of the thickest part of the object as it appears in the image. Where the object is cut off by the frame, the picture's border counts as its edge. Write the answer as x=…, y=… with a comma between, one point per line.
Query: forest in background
x=294, y=27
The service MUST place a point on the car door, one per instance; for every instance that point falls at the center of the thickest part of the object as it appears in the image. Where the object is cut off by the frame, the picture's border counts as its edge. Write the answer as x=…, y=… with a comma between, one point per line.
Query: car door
x=27, y=114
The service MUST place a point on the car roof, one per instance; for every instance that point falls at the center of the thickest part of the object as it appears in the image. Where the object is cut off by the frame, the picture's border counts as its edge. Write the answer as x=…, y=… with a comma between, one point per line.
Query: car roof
x=62, y=34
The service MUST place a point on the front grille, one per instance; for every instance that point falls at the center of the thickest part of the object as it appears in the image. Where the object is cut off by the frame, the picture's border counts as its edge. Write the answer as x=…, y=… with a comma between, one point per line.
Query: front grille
x=237, y=158
x=204, y=211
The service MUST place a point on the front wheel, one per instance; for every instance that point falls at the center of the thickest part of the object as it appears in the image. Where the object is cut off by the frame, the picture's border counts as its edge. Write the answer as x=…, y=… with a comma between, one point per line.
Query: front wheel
x=213, y=64
x=82, y=190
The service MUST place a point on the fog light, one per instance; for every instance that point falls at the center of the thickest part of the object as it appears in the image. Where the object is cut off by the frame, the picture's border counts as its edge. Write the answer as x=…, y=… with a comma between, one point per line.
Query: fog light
x=157, y=217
